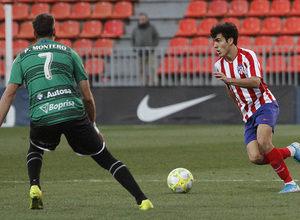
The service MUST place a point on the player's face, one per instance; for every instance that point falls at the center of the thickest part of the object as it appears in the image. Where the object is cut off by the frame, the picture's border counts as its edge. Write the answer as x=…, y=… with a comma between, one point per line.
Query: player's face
x=221, y=45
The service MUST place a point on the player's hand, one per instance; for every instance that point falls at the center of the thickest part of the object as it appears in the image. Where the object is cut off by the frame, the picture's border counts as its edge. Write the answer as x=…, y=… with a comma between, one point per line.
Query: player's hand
x=99, y=133
x=101, y=136
x=221, y=76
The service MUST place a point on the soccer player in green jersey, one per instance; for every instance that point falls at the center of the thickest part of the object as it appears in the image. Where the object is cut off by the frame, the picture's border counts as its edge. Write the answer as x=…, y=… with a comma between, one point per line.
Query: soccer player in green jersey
x=49, y=70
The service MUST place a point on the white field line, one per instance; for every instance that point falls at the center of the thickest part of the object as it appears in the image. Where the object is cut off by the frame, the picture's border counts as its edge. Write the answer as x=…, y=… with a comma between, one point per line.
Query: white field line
x=140, y=181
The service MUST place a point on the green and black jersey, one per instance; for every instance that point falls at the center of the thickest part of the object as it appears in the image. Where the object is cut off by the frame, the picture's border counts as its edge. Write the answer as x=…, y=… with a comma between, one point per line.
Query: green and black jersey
x=49, y=70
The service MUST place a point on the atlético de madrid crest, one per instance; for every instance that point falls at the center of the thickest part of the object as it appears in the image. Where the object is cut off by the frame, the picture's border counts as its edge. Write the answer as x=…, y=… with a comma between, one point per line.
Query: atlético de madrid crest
x=240, y=69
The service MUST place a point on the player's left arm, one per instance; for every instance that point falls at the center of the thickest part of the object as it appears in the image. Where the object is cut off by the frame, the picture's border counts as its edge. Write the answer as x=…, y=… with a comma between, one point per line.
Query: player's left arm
x=85, y=90
x=84, y=86
x=7, y=99
x=88, y=99
x=89, y=103
x=252, y=82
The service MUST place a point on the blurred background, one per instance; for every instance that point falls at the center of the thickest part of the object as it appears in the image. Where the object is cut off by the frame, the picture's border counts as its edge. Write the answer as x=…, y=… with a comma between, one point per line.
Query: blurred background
x=176, y=67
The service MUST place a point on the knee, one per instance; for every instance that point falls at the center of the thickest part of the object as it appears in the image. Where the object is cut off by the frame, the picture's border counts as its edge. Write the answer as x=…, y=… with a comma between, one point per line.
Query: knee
x=105, y=159
x=32, y=148
x=256, y=159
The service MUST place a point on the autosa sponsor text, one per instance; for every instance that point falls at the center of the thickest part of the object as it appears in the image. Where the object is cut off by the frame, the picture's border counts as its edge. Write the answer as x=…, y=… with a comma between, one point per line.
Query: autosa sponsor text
x=58, y=92
x=51, y=94
x=49, y=107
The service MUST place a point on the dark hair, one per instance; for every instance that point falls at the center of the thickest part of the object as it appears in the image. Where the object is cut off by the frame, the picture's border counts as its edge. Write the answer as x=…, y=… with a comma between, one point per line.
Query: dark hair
x=143, y=14
x=227, y=29
x=43, y=25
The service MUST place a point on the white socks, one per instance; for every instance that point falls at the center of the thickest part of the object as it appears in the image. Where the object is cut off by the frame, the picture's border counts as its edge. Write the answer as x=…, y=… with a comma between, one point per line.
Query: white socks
x=292, y=150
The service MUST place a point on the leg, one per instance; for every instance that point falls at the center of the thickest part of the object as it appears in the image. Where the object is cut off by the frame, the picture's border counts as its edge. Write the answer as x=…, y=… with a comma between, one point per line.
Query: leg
x=34, y=164
x=264, y=139
x=294, y=150
x=85, y=140
x=257, y=142
x=286, y=152
x=258, y=138
x=120, y=173
x=258, y=157
x=262, y=151
x=41, y=138
x=255, y=154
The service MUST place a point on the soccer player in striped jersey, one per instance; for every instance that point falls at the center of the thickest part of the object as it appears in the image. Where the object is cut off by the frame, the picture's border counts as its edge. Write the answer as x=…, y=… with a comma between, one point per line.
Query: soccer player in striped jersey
x=50, y=70
x=241, y=72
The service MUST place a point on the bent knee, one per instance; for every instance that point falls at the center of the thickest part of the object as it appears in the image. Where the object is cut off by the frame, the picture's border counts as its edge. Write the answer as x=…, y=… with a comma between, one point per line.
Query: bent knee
x=255, y=153
x=256, y=159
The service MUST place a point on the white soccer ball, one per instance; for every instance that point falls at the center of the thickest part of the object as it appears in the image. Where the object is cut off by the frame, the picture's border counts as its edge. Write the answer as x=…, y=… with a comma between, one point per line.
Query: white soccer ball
x=180, y=180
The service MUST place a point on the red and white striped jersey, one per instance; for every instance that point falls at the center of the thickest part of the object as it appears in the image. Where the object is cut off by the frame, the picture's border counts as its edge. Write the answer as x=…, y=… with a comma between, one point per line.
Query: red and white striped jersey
x=246, y=65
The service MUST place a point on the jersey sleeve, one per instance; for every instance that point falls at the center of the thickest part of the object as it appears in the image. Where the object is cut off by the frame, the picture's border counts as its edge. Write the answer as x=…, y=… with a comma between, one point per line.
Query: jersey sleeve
x=253, y=65
x=79, y=72
x=16, y=75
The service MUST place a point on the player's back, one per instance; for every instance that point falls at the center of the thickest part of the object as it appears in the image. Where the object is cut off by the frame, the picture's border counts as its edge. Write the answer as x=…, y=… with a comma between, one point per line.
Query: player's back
x=50, y=70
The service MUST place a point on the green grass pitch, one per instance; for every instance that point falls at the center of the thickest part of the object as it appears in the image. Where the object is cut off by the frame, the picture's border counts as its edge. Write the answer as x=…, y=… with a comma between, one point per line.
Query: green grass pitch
x=227, y=185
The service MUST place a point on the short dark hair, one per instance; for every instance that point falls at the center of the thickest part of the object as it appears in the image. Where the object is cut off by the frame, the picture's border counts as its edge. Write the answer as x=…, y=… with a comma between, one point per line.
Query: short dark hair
x=43, y=25
x=143, y=14
x=227, y=29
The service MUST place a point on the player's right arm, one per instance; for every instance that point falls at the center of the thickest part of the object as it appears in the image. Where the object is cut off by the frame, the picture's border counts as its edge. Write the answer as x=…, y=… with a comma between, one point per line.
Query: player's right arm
x=15, y=80
x=7, y=99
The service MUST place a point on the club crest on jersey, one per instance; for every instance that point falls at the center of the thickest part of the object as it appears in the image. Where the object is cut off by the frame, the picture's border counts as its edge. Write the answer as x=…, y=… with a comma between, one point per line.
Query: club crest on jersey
x=240, y=69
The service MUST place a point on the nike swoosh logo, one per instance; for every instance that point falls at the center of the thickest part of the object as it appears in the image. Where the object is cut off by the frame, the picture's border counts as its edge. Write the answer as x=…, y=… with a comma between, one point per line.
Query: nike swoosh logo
x=147, y=114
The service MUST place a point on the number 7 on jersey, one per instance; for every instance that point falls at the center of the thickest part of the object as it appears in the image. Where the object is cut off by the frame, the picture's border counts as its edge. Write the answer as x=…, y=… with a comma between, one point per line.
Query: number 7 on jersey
x=47, y=65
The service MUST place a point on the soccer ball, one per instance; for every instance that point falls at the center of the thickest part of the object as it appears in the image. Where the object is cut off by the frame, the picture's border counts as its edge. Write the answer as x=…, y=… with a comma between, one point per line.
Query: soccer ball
x=180, y=180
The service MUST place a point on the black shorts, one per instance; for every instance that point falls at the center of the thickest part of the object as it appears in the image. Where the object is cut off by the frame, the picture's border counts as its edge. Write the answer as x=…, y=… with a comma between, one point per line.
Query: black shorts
x=80, y=134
